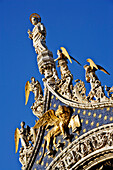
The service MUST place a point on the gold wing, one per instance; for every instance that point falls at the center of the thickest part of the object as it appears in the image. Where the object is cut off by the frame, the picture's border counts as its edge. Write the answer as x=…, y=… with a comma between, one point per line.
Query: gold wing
x=102, y=69
x=27, y=91
x=64, y=51
x=92, y=64
x=48, y=118
x=40, y=89
x=17, y=137
x=75, y=60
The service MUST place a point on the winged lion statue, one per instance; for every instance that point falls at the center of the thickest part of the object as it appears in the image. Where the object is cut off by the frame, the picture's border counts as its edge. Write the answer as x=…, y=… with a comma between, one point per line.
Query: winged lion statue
x=59, y=119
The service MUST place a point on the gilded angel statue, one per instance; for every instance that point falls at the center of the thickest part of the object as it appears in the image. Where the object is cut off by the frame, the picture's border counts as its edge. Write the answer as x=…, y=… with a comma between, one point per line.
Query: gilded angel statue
x=22, y=134
x=64, y=54
x=90, y=70
x=97, y=91
x=25, y=135
x=35, y=87
x=62, y=62
x=65, y=84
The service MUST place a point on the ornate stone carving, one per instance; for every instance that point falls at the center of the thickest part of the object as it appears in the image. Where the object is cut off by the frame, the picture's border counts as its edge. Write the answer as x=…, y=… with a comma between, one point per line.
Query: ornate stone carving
x=85, y=145
x=79, y=92
x=64, y=86
x=109, y=91
x=61, y=119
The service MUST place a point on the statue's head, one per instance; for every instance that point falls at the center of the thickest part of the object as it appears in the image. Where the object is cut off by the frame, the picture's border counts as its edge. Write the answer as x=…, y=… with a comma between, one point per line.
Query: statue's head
x=22, y=124
x=35, y=18
x=33, y=79
x=86, y=67
x=59, y=52
x=60, y=108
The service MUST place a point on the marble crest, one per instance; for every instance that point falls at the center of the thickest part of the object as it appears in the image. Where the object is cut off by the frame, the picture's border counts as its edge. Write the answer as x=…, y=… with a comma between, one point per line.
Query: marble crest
x=60, y=109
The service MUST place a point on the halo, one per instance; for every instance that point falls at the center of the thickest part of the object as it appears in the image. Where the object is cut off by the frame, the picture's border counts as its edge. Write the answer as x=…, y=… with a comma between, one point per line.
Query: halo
x=36, y=16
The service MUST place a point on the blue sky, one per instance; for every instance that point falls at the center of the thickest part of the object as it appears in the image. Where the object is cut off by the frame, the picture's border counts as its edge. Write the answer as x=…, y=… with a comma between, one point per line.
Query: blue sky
x=83, y=27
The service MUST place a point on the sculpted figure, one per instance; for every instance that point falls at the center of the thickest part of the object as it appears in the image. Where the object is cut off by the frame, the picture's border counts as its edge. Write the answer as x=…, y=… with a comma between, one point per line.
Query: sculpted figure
x=96, y=91
x=59, y=120
x=79, y=91
x=62, y=63
x=38, y=34
x=45, y=59
x=25, y=135
x=65, y=85
x=35, y=87
x=22, y=134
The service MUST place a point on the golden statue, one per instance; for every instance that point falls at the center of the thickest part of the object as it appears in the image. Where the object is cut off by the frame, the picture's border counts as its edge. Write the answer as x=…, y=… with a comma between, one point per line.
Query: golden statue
x=96, y=91
x=58, y=119
x=35, y=87
x=22, y=134
x=90, y=70
x=65, y=84
x=25, y=135
x=64, y=54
